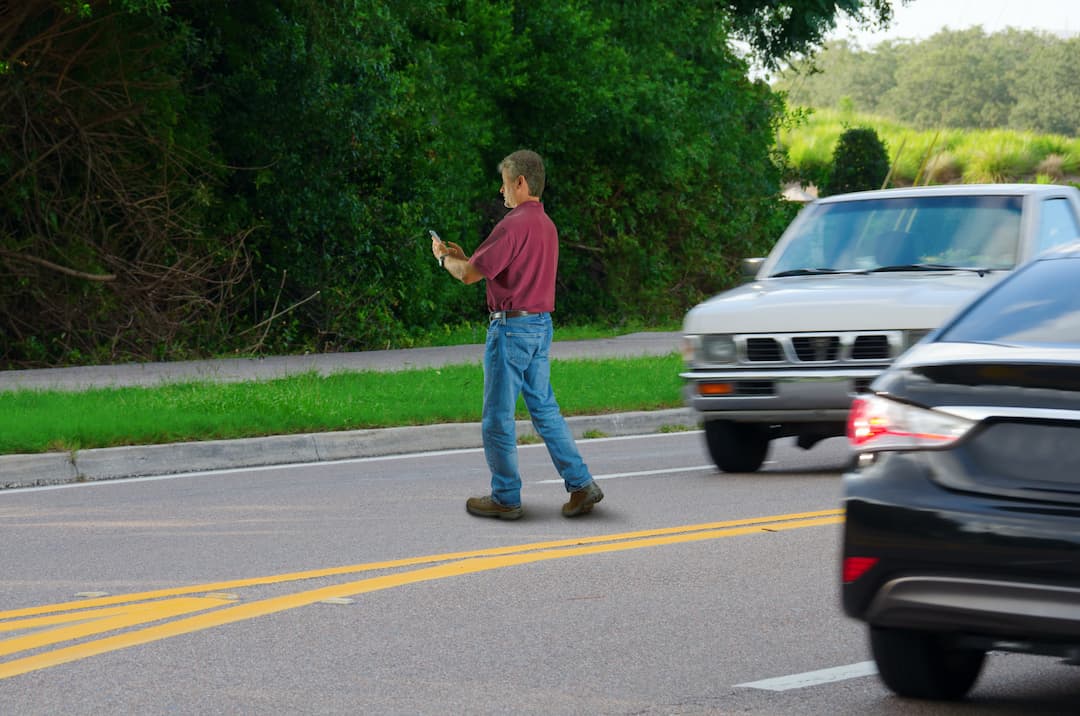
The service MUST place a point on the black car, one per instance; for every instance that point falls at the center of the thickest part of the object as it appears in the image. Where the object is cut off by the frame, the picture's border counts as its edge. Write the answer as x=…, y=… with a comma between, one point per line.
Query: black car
x=962, y=530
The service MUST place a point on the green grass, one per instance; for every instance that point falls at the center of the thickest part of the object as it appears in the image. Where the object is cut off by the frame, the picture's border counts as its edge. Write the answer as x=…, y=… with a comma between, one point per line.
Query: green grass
x=971, y=156
x=41, y=421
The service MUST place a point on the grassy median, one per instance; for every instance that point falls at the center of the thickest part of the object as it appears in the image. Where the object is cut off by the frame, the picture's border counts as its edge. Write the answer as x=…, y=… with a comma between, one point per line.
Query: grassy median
x=41, y=421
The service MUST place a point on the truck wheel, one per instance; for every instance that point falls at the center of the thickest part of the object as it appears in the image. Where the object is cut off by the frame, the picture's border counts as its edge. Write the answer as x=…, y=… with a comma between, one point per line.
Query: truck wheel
x=736, y=447
x=919, y=665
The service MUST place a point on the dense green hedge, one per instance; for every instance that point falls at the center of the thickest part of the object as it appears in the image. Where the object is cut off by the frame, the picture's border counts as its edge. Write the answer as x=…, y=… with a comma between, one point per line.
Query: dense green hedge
x=273, y=167
x=656, y=144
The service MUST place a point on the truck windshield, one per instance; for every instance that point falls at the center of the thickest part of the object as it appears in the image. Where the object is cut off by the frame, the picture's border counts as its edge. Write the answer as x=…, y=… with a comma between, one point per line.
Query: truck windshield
x=932, y=232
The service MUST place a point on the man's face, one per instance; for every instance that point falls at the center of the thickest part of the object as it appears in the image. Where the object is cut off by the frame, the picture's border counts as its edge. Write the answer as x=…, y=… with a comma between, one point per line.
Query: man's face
x=508, y=190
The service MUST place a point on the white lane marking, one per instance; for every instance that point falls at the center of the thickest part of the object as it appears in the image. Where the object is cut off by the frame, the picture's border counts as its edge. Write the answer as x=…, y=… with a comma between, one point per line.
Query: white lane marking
x=640, y=473
x=813, y=678
x=319, y=463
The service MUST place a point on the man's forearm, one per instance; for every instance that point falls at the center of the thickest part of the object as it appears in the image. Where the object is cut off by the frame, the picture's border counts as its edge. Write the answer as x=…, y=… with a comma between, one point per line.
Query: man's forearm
x=461, y=269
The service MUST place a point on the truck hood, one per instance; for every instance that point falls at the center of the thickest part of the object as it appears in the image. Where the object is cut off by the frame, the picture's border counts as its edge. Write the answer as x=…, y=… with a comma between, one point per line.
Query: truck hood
x=848, y=302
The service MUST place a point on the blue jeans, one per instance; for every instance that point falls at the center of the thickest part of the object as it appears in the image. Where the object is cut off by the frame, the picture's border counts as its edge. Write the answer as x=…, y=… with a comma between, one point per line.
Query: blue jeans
x=516, y=363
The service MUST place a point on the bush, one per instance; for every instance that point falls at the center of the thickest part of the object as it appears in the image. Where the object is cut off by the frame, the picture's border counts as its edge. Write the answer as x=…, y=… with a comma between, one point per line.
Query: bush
x=860, y=162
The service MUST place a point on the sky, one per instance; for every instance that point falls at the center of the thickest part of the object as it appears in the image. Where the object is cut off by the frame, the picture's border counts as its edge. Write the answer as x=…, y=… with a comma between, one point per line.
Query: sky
x=922, y=18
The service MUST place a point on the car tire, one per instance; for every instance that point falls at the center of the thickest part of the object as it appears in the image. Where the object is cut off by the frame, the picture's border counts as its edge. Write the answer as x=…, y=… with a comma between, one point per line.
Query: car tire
x=736, y=447
x=921, y=665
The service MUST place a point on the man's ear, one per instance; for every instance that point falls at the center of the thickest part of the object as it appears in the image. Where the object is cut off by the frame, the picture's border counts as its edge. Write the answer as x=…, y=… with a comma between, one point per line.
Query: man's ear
x=522, y=182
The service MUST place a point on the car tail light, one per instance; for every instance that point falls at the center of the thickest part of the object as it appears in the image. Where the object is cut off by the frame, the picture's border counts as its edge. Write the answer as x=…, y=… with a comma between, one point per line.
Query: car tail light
x=877, y=423
x=855, y=567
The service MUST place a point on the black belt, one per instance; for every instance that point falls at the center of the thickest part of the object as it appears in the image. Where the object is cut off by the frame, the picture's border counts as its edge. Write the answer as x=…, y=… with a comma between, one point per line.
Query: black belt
x=496, y=315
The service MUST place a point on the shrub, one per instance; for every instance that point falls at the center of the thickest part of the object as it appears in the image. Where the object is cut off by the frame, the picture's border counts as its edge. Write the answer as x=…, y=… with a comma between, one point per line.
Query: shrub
x=942, y=168
x=1052, y=166
x=860, y=162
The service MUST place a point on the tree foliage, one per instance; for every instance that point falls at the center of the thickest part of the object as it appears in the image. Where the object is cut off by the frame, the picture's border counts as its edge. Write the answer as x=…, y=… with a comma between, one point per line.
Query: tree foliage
x=1014, y=79
x=259, y=175
x=783, y=29
x=1050, y=100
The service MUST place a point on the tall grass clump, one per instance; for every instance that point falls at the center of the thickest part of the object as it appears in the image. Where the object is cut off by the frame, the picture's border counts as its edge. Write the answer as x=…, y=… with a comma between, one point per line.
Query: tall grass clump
x=1070, y=161
x=999, y=155
x=809, y=149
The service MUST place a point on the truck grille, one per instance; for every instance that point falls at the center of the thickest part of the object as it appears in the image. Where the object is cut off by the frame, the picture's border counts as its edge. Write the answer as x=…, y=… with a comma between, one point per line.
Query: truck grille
x=803, y=348
x=763, y=350
x=871, y=348
x=755, y=388
x=816, y=348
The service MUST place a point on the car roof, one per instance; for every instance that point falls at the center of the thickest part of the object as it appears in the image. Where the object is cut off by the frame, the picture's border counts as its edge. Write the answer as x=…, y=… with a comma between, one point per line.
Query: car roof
x=952, y=190
x=1064, y=251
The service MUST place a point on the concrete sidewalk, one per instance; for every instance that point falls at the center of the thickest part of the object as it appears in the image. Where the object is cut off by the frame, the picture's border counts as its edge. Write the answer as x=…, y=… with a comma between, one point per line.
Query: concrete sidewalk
x=139, y=461
x=241, y=369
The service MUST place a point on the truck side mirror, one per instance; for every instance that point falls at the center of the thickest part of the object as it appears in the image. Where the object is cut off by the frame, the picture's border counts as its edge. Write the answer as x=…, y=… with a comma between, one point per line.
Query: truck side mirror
x=750, y=268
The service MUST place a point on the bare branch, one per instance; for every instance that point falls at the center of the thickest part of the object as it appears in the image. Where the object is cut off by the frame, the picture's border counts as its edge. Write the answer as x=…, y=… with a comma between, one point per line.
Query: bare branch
x=57, y=267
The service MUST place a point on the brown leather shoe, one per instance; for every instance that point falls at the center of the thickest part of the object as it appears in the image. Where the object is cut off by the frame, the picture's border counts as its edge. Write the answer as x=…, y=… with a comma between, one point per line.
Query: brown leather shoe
x=486, y=506
x=582, y=501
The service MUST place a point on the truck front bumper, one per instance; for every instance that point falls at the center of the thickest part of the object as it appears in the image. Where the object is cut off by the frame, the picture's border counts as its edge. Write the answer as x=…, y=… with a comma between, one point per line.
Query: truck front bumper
x=776, y=396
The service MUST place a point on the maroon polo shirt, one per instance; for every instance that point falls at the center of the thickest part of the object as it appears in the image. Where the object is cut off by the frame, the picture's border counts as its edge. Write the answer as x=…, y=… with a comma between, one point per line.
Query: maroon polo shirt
x=519, y=259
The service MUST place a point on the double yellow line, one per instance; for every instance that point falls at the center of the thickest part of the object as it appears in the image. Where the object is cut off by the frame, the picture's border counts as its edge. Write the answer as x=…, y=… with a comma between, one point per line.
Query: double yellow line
x=45, y=626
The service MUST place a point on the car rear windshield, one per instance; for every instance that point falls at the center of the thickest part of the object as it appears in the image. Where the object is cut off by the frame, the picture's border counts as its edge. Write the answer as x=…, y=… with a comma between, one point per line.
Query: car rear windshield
x=962, y=231
x=1037, y=305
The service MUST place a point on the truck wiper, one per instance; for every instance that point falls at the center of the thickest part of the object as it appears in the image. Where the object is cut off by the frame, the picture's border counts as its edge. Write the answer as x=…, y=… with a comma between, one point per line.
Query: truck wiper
x=815, y=272
x=934, y=267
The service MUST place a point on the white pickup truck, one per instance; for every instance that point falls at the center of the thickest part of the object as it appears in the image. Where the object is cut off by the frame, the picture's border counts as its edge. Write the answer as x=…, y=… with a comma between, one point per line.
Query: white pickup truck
x=853, y=282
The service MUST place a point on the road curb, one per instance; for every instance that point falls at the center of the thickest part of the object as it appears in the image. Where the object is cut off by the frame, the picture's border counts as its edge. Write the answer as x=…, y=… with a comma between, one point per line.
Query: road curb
x=59, y=468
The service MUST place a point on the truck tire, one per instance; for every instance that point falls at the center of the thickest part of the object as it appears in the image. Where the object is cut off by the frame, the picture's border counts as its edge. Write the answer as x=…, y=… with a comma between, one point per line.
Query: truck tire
x=736, y=447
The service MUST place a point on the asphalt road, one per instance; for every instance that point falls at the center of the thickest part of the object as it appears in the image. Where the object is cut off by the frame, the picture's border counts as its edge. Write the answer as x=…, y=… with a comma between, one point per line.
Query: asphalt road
x=362, y=586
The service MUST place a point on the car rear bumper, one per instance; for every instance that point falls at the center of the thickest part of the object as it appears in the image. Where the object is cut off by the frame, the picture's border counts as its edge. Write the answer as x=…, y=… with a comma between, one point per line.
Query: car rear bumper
x=956, y=561
x=982, y=606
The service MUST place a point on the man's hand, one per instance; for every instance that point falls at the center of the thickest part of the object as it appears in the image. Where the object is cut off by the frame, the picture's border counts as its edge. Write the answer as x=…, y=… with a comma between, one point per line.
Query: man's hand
x=458, y=264
x=438, y=248
x=454, y=250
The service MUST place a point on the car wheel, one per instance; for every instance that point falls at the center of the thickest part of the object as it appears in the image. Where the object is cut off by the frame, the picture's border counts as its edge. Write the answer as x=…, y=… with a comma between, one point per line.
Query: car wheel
x=736, y=447
x=920, y=665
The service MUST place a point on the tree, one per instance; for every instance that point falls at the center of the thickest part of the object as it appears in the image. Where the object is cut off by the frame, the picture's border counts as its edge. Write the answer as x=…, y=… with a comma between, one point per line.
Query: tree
x=778, y=30
x=1045, y=87
x=1017, y=79
x=659, y=147
x=843, y=72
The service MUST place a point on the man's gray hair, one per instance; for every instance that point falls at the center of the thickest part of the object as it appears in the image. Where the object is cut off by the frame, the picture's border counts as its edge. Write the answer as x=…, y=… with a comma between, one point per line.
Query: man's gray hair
x=525, y=163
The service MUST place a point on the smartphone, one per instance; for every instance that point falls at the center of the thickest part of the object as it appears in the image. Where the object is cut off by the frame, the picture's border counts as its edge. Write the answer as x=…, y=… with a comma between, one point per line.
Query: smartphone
x=435, y=236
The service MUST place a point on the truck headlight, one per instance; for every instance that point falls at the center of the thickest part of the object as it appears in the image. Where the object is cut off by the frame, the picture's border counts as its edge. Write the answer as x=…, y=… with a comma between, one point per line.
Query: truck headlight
x=717, y=349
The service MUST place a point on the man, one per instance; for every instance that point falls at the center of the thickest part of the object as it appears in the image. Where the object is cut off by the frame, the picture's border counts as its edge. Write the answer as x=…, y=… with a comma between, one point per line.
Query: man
x=519, y=260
